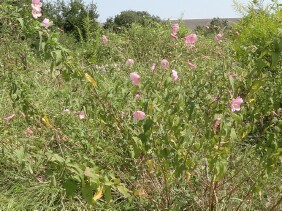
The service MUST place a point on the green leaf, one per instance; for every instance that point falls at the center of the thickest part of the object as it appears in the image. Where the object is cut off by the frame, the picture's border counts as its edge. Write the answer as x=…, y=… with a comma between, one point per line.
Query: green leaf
x=21, y=22
x=87, y=194
x=147, y=125
x=20, y=154
x=233, y=135
x=57, y=158
x=231, y=80
x=220, y=169
x=236, y=117
x=256, y=85
x=107, y=193
x=123, y=190
x=275, y=59
x=57, y=55
x=191, y=107
x=70, y=186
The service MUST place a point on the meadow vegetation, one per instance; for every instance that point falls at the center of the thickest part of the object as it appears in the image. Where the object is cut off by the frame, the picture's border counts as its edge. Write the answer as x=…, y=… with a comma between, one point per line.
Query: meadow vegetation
x=147, y=117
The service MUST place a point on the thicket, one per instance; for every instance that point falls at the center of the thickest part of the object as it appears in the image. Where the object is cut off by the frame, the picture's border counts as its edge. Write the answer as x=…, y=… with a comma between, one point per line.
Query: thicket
x=74, y=17
x=126, y=18
x=140, y=119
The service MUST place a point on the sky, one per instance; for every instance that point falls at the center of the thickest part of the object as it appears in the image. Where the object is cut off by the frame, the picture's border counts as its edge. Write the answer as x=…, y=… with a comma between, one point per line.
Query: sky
x=170, y=9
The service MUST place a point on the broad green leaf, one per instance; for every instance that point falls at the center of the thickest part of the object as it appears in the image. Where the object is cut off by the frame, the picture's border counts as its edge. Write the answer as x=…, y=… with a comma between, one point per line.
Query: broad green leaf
x=220, y=169
x=58, y=57
x=21, y=22
x=123, y=190
x=275, y=59
x=147, y=125
x=107, y=193
x=231, y=80
x=236, y=117
x=70, y=187
x=256, y=85
x=87, y=194
x=58, y=158
x=20, y=154
x=233, y=135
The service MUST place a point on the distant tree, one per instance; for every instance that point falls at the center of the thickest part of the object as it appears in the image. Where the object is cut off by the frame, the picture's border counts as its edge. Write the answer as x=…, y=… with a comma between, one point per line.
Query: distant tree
x=73, y=17
x=126, y=18
x=215, y=26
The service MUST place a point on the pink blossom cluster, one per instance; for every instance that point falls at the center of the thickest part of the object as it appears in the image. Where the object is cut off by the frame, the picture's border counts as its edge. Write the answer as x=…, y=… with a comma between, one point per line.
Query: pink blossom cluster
x=36, y=8
x=175, y=28
x=190, y=40
x=218, y=37
x=37, y=12
x=105, y=39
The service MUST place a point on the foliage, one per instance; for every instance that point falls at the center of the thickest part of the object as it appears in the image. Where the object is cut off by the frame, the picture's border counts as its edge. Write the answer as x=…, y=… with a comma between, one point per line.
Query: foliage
x=259, y=30
x=73, y=17
x=127, y=18
x=216, y=25
x=69, y=140
x=258, y=46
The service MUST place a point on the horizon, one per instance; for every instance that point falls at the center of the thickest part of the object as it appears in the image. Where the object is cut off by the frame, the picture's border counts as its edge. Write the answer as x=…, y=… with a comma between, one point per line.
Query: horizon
x=168, y=10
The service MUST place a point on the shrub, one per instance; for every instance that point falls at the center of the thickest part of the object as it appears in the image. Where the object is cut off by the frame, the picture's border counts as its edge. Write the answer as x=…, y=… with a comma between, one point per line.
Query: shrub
x=127, y=18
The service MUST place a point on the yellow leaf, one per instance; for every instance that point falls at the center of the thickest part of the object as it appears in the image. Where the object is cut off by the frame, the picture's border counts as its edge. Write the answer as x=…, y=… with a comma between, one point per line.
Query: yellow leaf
x=98, y=195
x=187, y=176
x=90, y=79
x=139, y=192
x=47, y=122
x=150, y=165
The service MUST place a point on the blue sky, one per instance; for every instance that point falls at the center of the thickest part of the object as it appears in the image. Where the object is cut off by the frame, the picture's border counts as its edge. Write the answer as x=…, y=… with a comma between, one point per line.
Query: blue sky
x=170, y=9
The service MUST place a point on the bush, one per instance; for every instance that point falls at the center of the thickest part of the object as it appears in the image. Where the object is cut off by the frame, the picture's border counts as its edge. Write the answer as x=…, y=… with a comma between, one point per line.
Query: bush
x=127, y=18
x=73, y=17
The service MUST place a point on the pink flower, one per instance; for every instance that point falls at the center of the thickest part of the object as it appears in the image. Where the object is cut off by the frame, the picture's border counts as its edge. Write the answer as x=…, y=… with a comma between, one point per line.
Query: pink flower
x=216, y=124
x=174, y=36
x=165, y=64
x=253, y=48
x=135, y=78
x=9, y=118
x=175, y=28
x=28, y=132
x=191, y=65
x=139, y=115
x=174, y=75
x=191, y=46
x=105, y=39
x=137, y=97
x=81, y=114
x=218, y=37
x=46, y=23
x=235, y=104
x=214, y=98
x=191, y=39
x=232, y=75
x=36, y=4
x=153, y=67
x=36, y=13
x=66, y=110
x=36, y=1
x=122, y=114
x=129, y=62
